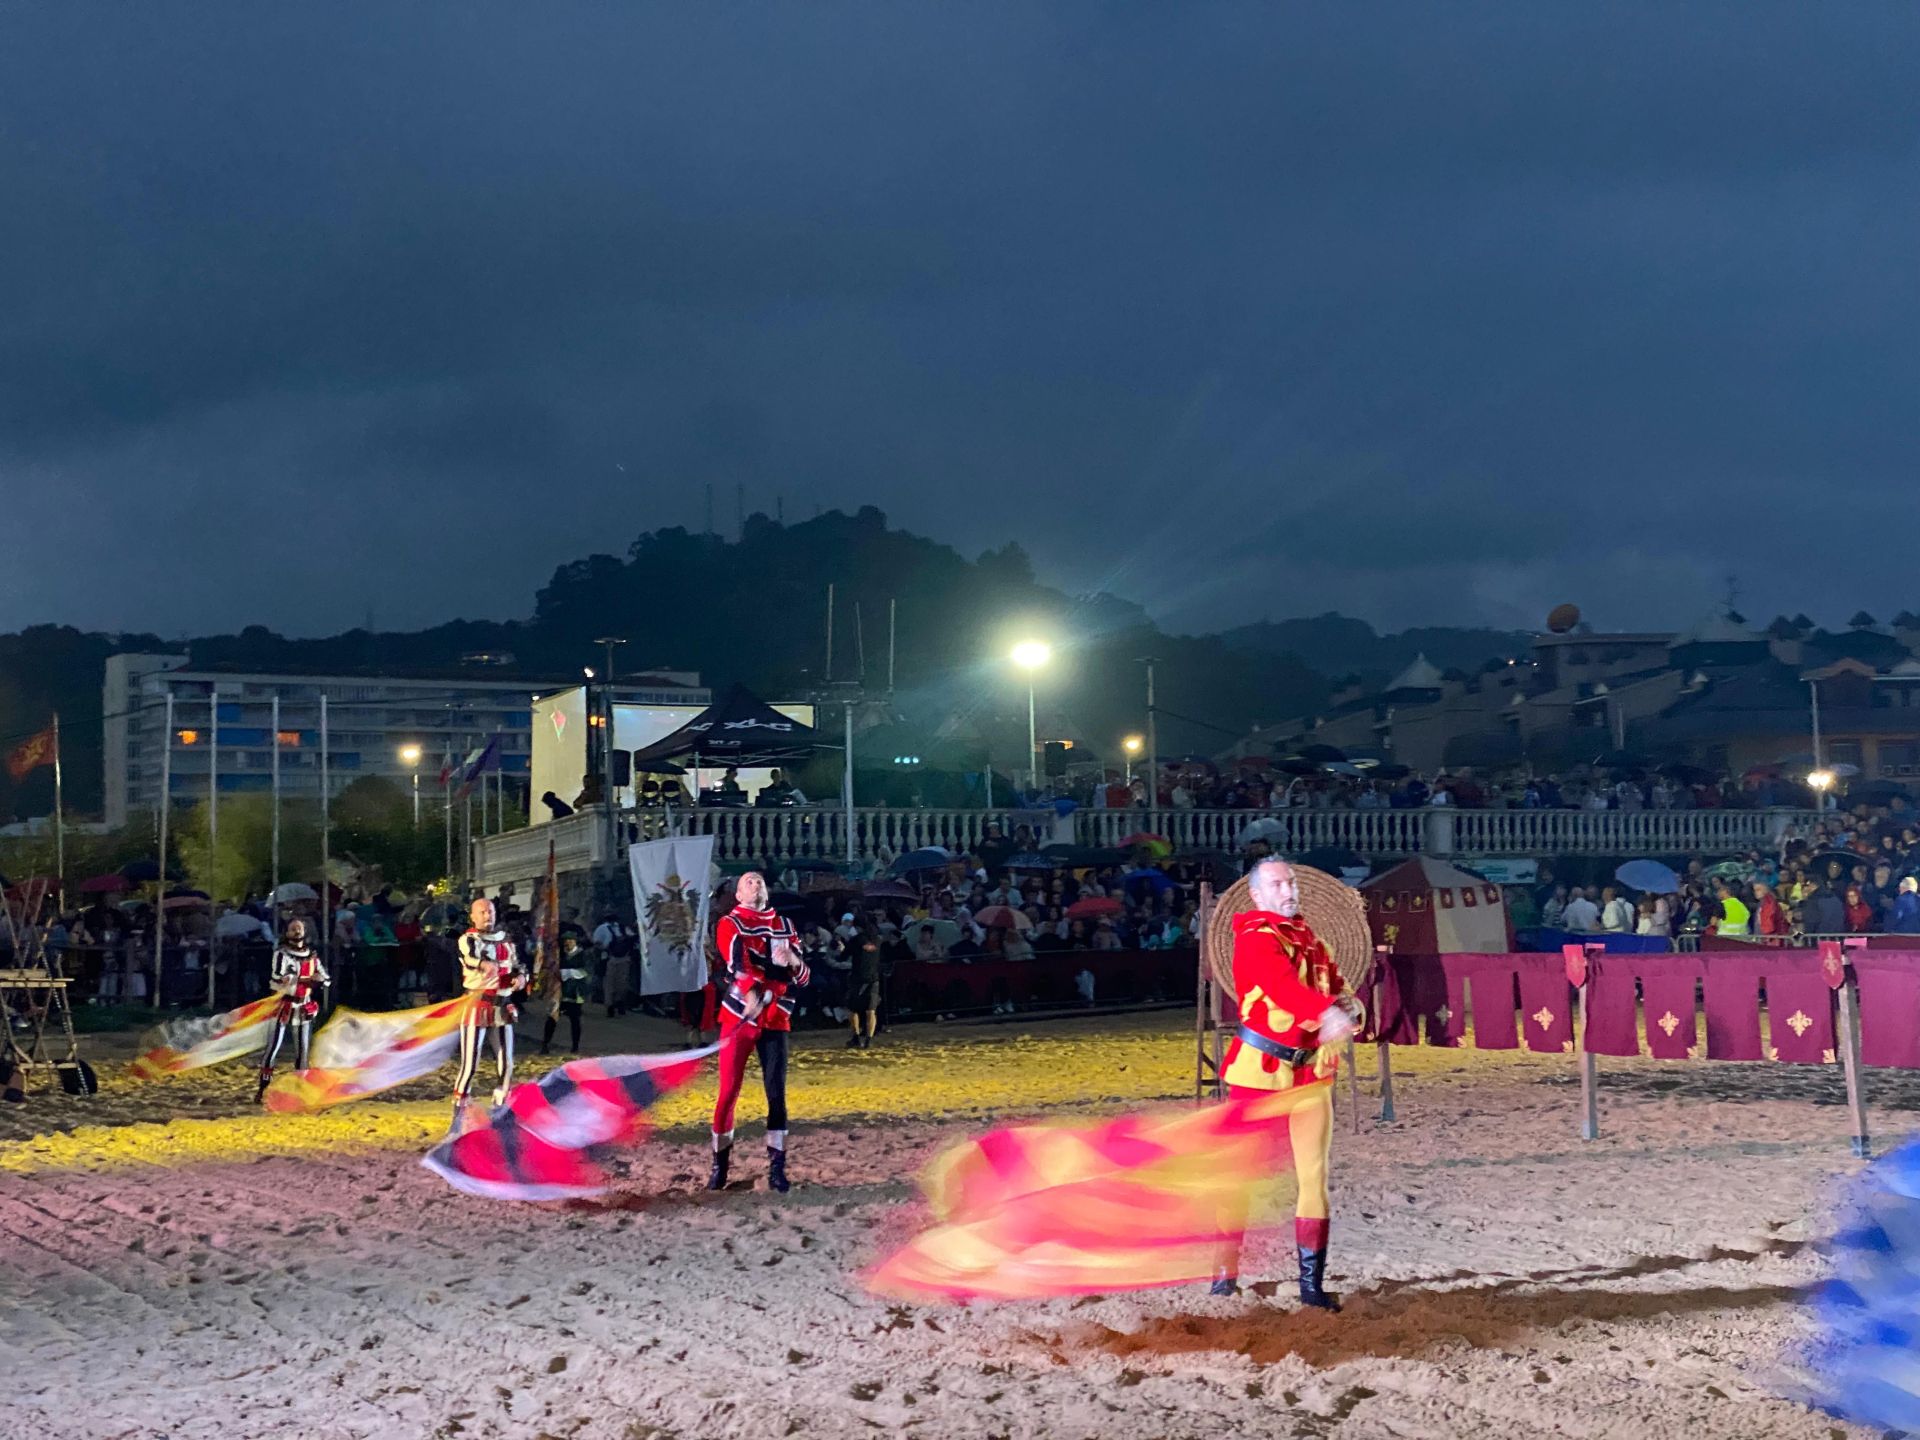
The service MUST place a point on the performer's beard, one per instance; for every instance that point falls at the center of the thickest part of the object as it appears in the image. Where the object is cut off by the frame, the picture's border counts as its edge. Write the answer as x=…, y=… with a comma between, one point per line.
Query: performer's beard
x=1289, y=909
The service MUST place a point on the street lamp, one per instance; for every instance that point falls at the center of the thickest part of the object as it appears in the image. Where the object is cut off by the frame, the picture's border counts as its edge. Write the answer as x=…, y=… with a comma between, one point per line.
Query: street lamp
x=1132, y=746
x=1821, y=781
x=1031, y=656
x=410, y=757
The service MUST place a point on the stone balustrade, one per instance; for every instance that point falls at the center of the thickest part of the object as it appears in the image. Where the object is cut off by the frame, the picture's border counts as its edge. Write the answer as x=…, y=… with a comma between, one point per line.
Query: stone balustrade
x=878, y=835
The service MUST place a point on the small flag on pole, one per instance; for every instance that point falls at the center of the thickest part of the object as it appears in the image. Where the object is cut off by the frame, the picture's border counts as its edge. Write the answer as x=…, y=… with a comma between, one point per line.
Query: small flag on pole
x=33, y=752
x=477, y=763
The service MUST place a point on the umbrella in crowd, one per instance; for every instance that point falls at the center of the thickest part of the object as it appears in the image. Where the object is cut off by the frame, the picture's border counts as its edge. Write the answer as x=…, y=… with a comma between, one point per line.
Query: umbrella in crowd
x=237, y=923
x=1034, y=860
x=931, y=857
x=1820, y=864
x=104, y=885
x=1268, y=829
x=944, y=931
x=1391, y=770
x=185, y=902
x=1878, y=792
x=1322, y=754
x=1002, y=917
x=1080, y=857
x=1335, y=860
x=1730, y=870
x=1297, y=765
x=1094, y=908
x=1157, y=846
x=890, y=890
x=1695, y=775
x=1341, y=767
x=291, y=891
x=1151, y=877
x=142, y=872
x=1648, y=875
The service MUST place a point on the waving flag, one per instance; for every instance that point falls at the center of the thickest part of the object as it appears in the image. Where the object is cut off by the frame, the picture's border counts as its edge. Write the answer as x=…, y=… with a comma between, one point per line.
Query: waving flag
x=541, y=1144
x=34, y=751
x=477, y=764
x=196, y=1041
x=357, y=1054
x=1130, y=1203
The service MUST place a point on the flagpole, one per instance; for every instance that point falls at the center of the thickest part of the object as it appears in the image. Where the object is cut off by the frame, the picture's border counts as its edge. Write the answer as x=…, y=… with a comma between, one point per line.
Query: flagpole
x=326, y=846
x=160, y=886
x=273, y=896
x=213, y=765
x=59, y=817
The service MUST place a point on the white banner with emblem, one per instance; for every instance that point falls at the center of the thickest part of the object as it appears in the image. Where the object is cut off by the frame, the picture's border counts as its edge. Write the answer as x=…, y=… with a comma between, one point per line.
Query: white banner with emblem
x=670, y=900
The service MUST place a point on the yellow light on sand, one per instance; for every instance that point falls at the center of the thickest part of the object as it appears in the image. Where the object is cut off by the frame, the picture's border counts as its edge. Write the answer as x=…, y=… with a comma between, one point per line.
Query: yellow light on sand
x=1032, y=654
x=409, y=754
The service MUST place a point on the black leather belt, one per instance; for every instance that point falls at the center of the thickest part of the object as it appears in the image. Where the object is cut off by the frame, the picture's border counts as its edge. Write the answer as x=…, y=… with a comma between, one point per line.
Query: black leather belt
x=1291, y=1054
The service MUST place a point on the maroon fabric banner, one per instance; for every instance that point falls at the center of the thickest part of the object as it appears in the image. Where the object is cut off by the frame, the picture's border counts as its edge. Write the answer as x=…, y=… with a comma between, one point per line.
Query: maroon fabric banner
x=1733, y=1009
x=1411, y=996
x=1673, y=1026
x=1610, y=1001
x=1889, y=1007
x=1546, y=1006
x=1800, y=1018
x=1484, y=983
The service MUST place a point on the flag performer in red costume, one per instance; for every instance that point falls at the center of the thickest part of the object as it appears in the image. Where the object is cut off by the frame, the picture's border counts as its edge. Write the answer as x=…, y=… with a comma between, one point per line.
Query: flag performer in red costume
x=1294, y=1008
x=761, y=968
x=297, y=977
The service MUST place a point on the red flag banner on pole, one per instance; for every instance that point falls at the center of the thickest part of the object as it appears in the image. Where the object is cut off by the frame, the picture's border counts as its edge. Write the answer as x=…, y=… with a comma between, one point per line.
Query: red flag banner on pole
x=33, y=752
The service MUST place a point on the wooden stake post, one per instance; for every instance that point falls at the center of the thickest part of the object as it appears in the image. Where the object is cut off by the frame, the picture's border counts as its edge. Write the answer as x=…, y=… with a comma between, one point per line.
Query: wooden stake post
x=1848, y=1043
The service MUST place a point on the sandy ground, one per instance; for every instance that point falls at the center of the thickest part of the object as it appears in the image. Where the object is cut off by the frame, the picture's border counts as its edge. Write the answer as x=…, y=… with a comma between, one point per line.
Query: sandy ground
x=231, y=1275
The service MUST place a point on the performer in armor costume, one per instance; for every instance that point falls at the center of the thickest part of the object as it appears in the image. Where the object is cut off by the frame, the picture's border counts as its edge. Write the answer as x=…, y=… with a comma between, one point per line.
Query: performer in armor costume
x=762, y=966
x=490, y=969
x=1294, y=1008
x=297, y=974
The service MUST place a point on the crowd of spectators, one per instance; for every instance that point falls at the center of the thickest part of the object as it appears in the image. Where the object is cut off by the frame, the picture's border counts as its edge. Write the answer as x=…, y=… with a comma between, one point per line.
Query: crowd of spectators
x=1341, y=785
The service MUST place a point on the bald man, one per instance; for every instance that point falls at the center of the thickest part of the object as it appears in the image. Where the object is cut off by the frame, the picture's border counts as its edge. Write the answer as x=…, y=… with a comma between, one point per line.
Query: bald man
x=1294, y=1008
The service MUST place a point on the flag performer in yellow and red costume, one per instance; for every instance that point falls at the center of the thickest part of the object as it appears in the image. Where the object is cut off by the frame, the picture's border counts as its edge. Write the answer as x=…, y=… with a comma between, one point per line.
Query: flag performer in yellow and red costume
x=1294, y=1008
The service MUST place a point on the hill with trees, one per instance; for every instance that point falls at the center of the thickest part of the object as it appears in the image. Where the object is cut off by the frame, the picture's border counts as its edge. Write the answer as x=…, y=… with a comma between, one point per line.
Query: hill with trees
x=754, y=610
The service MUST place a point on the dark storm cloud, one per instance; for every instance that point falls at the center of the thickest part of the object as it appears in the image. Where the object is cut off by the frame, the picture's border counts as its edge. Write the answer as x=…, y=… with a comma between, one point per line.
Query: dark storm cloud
x=1426, y=312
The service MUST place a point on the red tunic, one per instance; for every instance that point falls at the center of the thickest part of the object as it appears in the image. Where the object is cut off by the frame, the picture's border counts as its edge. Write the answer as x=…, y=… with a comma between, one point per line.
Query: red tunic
x=757, y=986
x=1286, y=980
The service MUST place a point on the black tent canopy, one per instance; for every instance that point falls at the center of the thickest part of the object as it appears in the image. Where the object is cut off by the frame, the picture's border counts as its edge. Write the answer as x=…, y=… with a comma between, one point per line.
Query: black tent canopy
x=737, y=729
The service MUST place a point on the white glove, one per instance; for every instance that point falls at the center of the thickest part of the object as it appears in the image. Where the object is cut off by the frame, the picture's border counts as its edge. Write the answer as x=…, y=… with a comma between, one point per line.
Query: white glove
x=1336, y=1024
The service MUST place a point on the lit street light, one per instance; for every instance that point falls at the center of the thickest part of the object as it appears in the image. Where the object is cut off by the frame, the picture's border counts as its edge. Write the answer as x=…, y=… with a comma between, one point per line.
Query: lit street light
x=1132, y=746
x=1031, y=656
x=1822, y=782
x=410, y=757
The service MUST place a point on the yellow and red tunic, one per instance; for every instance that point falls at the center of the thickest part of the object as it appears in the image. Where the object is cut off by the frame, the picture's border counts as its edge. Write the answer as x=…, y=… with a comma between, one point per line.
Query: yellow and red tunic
x=1285, y=981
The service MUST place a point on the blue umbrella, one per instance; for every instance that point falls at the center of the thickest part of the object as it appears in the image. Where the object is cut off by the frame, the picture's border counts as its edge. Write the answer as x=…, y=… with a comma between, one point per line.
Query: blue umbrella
x=931, y=858
x=1648, y=875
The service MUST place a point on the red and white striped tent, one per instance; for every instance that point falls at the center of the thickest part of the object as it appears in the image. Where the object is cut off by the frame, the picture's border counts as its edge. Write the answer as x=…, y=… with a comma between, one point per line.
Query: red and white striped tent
x=1428, y=907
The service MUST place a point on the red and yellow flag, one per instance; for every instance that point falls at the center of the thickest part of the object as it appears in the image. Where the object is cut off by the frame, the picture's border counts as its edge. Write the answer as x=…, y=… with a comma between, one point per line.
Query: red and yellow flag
x=1145, y=1199
x=33, y=752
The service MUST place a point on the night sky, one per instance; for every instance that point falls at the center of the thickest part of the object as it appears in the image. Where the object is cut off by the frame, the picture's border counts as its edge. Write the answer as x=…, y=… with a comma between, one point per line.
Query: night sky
x=1425, y=312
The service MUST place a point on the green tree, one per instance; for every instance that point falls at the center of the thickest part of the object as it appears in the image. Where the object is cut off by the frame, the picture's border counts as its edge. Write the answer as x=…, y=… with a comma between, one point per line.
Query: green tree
x=373, y=827
x=241, y=864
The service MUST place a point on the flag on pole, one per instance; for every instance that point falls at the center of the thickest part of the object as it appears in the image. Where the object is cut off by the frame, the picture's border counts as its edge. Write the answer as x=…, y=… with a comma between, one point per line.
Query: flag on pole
x=357, y=1054
x=34, y=751
x=477, y=763
x=193, y=1042
x=671, y=897
x=547, y=1142
x=546, y=934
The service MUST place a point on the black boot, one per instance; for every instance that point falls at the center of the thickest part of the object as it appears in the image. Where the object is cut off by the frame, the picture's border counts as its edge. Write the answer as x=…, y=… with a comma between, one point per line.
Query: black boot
x=1224, y=1283
x=777, y=1171
x=1313, y=1281
x=717, y=1177
x=260, y=1090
